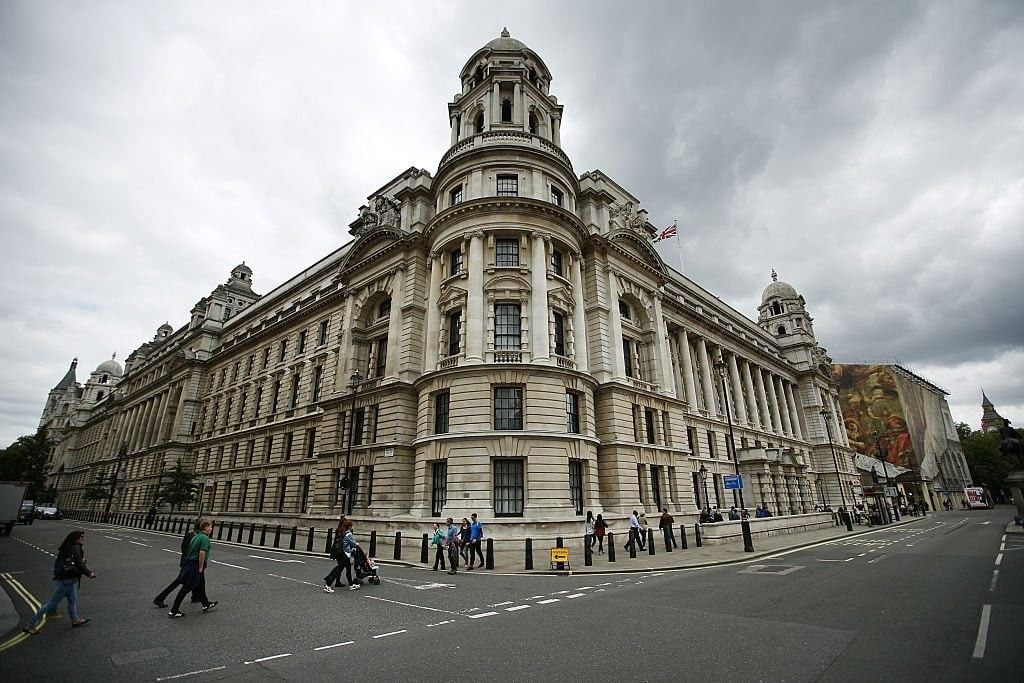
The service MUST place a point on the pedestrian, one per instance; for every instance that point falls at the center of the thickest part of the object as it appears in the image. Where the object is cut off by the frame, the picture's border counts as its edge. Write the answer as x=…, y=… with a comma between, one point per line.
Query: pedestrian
x=476, y=539
x=588, y=531
x=348, y=552
x=600, y=529
x=150, y=516
x=451, y=542
x=716, y=515
x=193, y=570
x=642, y=519
x=733, y=513
x=438, y=541
x=199, y=594
x=68, y=569
x=464, y=540
x=338, y=555
x=634, y=531
x=665, y=524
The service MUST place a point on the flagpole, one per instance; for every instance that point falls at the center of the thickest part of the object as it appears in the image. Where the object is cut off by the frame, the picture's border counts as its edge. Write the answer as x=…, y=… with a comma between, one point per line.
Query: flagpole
x=679, y=249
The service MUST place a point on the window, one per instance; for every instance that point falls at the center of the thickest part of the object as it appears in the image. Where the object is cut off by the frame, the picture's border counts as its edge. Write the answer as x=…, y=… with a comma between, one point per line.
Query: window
x=350, y=498
x=384, y=309
x=508, y=487
x=506, y=111
x=321, y=338
x=282, y=349
x=559, y=333
x=318, y=382
x=266, y=358
x=382, y=357
x=251, y=452
x=261, y=496
x=357, y=426
x=438, y=486
x=282, y=489
x=556, y=263
x=227, y=496
x=374, y=422
x=507, y=327
x=508, y=407
x=302, y=343
x=234, y=371
x=479, y=123
x=249, y=364
x=227, y=411
x=227, y=312
x=624, y=311
x=296, y=378
x=274, y=393
x=556, y=196
x=234, y=456
x=455, y=262
x=289, y=441
x=243, y=493
x=711, y=444
x=508, y=185
x=649, y=425
x=268, y=445
x=369, y=486
x=242, y=401
x=454, y=332
x=572, y=412
x=576, y=485
x=311, y=442
x=259, y=400
x=455, y=196
x=627, y=355
x=506, y=253
x=304, y=493
x=441, y=403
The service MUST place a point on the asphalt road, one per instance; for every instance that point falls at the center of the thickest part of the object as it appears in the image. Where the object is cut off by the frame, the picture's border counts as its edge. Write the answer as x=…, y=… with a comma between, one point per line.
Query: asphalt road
x=905, y=603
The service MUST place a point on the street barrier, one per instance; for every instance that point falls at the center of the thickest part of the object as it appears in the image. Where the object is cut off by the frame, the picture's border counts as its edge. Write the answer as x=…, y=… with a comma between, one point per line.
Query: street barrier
x=291, y=543
x=668, y=539
x=220, y=532
x=650, y=541
x=489, y=556
x=529, y=554
x=611, y=546
x=309, y=540
x=252, y=531
x=277, y=536
x=423, y=549
x=373, y=543
x=588, y=559
x=263, y=536
x=398, y=545
x=631, y=544
x=330, y=541
x=682, y=536
x=696, y=534
x=241, y=527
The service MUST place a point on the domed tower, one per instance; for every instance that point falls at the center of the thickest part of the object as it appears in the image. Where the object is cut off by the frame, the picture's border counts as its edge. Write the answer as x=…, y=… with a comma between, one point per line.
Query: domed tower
x=103, y=380
x=783, y=314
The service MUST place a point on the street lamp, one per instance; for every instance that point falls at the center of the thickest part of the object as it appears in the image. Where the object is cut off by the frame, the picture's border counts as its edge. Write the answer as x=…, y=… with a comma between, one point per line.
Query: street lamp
x=704, y=480
x=894, y=513
x=748, y=541
x=345, y=484
x=115, y=479
x=56, y=486
x=835, y=460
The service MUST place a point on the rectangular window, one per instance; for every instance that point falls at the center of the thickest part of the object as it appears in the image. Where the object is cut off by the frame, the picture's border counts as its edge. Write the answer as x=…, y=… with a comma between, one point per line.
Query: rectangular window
x=304, y=493
x=249, y=364
x=627, y=355
x=649, y=425
x=572, y=412
x=259, y=400
x=268, y=444
x=507, y=327
x=243, y=495
x=261, y=496
x=438, y=486
x=266, y=358
x=441, y=402
x=369, y=486
x=711, y=444
x=508, y=407
x=296, y=378
x=374, y=422
x=353, y=479
x=274, y=394
x=506, y=253
x=234, y=370
x=227, y=411
x=559, y=333
x=382, y=357
x=251, y=453
x=455, y=262
x=311, y=442
x=357, y=426
x=454, y=333
x=289, y=441
x=282, y=490
x=691, y=440
x=557, y=197
x=318, y=381
x=384, y=309
x=302, y=343
x=556, y=263
x=507, y=185
x=455, y=196
x=227, y=496
x=234, y=455
x=508, y=487
x=242, y=405
x=576, y=485
x=321, y=337
x=282, y=349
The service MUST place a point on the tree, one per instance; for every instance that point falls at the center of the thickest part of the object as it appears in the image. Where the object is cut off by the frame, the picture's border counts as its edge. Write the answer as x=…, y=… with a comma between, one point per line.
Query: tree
x=25, y=460
x=989, y=467
x=99, y=489
x=178, y=487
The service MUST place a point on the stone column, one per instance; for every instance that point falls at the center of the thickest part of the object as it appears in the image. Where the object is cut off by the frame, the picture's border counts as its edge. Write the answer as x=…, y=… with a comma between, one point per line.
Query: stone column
x=662, y=358
x=687, y=361
x=517, y=97
x=496, y=102
x=737, y=390
x=140, y=423
x=754, y=419
x=773, y=403
x=556, y=131
x=705, y=377
x=579, y=320
x=840, y=422
x=540, y=344
x=794, y=413
x=455, y=132
x=780, y=394
x=677, y=366
x=762, y=399
x=618, y=362
x=432, y=341
x=395, y=322
x=475, y=300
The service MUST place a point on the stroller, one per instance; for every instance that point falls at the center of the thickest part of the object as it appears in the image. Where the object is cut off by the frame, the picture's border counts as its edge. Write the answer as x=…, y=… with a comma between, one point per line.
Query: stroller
x=365, y=568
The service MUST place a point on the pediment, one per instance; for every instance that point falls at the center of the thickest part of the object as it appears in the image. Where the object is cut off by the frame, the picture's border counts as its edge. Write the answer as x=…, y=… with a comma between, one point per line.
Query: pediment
x=508, y=281
x=633, y=243
x=368, y=245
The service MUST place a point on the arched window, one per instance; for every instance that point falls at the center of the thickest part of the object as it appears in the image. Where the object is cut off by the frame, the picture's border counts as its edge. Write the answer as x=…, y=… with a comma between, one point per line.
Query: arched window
x=479, y=123
x=776, y=308
x=506, y=111
x=99, y=396
x=534, y=124
x=478, y=75
x=533, y=77
x=781, y=330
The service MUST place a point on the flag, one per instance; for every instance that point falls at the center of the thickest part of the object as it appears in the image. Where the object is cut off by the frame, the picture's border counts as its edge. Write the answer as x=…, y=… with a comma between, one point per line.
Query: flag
x=667, y=233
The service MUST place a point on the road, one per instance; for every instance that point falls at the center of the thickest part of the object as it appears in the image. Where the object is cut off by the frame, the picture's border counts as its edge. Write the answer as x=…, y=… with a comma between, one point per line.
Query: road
x=938, y=599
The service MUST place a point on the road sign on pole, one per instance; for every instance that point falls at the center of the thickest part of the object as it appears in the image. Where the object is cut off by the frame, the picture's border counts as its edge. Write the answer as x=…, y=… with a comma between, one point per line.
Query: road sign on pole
x=732, y=482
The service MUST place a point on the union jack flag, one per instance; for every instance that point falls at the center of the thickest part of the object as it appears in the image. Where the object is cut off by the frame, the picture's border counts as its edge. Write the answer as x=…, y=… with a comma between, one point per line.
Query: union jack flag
x=667, y=233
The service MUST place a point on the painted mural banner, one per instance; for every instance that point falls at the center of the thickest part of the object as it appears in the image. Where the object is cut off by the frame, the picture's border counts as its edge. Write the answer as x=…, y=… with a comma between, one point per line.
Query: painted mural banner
x=870, y=403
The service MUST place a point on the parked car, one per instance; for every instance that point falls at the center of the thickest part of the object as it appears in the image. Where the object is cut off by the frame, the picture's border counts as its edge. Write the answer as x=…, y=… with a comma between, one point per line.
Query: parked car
x=48, y=513
x=27, y=513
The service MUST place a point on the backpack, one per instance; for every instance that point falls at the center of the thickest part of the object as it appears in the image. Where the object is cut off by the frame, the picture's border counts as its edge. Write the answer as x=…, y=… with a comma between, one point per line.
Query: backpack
x=336, y=549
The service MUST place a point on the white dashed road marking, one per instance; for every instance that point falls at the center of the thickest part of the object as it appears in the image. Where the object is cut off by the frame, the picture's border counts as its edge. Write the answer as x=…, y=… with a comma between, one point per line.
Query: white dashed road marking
x=979, y=643
x=516, y=608
x=547, y=602
x=482, y=615
x=229, y=565
x=392, y=633
x=267, y=659
x=328, y=647
x=190, y=673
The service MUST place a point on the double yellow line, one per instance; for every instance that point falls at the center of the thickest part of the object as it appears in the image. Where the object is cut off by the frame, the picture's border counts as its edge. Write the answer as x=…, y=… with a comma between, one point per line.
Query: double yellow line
x=33, y=606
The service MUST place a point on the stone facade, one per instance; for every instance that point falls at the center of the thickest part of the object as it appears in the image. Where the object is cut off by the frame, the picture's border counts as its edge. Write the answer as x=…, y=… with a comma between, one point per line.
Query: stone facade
x=499, y=337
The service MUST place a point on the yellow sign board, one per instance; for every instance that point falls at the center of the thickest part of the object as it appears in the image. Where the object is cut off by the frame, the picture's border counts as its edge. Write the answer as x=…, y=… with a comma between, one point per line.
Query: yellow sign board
x=559, y=555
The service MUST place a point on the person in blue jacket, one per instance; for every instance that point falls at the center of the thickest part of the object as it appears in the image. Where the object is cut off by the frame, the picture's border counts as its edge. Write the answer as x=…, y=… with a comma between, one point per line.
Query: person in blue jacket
x=476, y=538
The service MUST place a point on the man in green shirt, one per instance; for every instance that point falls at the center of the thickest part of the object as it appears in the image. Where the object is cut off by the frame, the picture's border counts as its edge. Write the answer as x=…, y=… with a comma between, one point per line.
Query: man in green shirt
x=193, y=571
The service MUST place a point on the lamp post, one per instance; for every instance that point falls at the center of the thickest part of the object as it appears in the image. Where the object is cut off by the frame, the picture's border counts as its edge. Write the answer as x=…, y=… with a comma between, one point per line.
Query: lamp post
x=835, y=460
x=56, y=486
x=748, y=541
x=345, y=484
x=115, y=479
x=894, y=512
x=704, y=480
x=879, y=501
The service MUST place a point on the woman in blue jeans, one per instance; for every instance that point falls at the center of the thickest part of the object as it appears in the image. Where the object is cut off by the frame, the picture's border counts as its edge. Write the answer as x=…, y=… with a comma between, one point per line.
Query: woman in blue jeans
x=68, y=570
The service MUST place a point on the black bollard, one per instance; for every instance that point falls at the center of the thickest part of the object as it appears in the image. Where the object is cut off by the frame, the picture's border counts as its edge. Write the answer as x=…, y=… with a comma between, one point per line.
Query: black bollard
x=633, y=536
x=398, y=545
x=373, y=543
x=529, y=554
x=330, y=541
x=161, y=524
x=748, y=540
x=696, y=534
x=650, y=541
x=588, y=559
x=611, y=546
x=277, y=536
x=559, y=542
x=263, y=535
x=291, y=543
x=309, y=540
x=489, y=554
x=252, y=531
x=424, y=545
x=668, y=540
x=220, y=532
x=849, y=520
x=241, y=528
x=682, y=536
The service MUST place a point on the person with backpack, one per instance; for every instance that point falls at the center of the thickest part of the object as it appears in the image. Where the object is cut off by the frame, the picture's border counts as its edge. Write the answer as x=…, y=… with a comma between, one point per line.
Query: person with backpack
x=476, y=539
x=68, y=569
x=199, y=594
x=438, y=541
x=348, y=552
x=464, y=540
x=334, y=576
x=451, y=542
x=600, y=529
x=192, y=571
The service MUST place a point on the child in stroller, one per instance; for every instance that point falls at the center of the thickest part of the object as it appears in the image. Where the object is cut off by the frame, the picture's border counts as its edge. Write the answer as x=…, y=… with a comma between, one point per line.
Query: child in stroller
x=365, y=568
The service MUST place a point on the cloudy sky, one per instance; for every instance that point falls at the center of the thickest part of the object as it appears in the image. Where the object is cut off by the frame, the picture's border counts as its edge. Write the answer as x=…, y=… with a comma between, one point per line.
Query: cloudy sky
x=872, y=153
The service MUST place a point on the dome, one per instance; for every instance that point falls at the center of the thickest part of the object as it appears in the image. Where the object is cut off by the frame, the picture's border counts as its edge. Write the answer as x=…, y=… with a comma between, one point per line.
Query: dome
x=505, y=43
x=778, y=290
x=242, y=268
x=109, y=367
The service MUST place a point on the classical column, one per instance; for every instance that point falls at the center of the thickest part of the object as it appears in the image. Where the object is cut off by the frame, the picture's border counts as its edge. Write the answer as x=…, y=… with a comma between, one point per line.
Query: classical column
x=773, y=403
x=579, y=320
x=762, y=400
x=794, y=413
x=754, y=419
x=840, y=423
x=517, y=97
x=455, y=132
x=496, y=102
x=661, y=354
x=687, y=362
x=154, y=423
x=677, y=366
x=705, y=377
x=475, y=300
x=395, y=322
x=737, y=390
x=618, y=362
x=540, y=344
x=433, y=313
x=780, y=395
x=556, y=131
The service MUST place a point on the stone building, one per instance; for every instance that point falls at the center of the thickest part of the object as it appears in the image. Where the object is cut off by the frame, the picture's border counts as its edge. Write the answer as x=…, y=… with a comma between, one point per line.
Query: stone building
x=498, y=337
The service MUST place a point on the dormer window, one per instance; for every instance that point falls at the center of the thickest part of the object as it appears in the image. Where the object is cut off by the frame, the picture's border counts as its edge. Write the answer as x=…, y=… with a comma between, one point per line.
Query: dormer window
x=533, y=77
x=103, y=379
x=534, y=124
x=227, y=312
x=781, y=330
x=506, y=111
x=478, y=75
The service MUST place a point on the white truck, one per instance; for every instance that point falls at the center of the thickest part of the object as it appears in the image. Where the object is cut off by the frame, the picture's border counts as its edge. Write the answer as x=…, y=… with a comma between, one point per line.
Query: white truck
x=12, y=493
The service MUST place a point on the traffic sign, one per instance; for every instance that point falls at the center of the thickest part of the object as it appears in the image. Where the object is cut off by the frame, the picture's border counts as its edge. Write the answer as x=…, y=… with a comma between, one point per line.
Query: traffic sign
x=890, y=491
x=732, y=482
